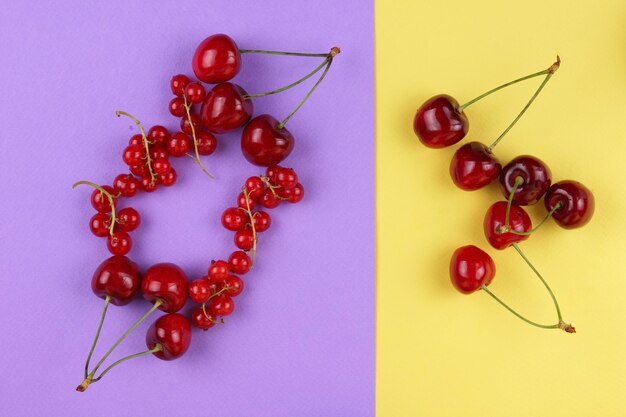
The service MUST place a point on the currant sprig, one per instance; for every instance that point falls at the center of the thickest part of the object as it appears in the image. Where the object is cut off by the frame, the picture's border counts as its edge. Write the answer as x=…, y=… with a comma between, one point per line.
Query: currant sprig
x=145, y=140
x=196, y=158
x=110, y=198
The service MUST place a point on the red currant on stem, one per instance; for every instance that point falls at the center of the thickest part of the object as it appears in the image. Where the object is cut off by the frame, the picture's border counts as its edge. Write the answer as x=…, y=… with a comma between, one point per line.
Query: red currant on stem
x=178, y=84
x=246, y=239
x=201, y=320
x=97, y=199
x=193, y=124
x=128, y=219
x=145, y=142
x=239, y=262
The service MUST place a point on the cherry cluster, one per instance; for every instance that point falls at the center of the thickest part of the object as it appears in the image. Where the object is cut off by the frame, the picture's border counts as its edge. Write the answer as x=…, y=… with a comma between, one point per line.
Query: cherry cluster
x=525, y=180
x=265, y=142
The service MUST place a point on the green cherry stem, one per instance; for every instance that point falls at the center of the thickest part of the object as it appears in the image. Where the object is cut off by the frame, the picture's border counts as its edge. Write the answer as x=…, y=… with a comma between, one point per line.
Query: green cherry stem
x=549, y=72
x=107, y=301
x=287, y=87
x=157, y=348
x=260, y=51
x=518, y=182
x=109, y=197
x=146, y=142
x=195, y=140
x=545, y=219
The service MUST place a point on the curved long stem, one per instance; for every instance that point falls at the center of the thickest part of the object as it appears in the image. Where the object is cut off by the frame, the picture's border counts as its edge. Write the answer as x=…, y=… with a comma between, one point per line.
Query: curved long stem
x=545, y=219
x=157, y=348
x=260, y=51
x=107, y=301
x=145, y=141
x=518, y=181
x=251, y=216
x=287, y=87
x=109, y=197
x=503, y=304
x=195, y=139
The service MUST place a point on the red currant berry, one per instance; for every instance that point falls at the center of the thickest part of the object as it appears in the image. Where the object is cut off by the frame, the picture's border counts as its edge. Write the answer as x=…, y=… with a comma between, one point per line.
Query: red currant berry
x=216, y=59
x=194, y=92
x=128, y=219
x=126, y=185
x=271, y=172
x=156, y=153
x=119, y=243
x=179, y=144
x=255, y=187
x=148, y=184
x=99, y=224
x=243, y=202
x=269, y=200
x=134, y=155
x=233, y=286
x=234, y=218
x=293, y=195
x=161, y=166
x=158, y=135
x=200, y=320
x=218, y=271
x=199, y=290
x=222, y=305
x=239, y=262
x=139, y=170
x=177, y=107
x=244, y=239
x=261, y=220
x=286, y=178
x=178, y=84
x=100, y=201
x=185, y=126
x=168, y=179
x=136, y=140
x=207, y=142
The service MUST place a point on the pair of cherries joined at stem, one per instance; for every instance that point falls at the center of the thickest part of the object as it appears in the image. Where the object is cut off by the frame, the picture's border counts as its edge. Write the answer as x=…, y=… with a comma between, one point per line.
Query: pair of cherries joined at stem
x=265, y=141
x=441, y=122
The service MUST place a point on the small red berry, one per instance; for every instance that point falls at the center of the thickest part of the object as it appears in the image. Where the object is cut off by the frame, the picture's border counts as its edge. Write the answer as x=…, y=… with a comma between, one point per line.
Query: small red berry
x=100, y=201
x=194, y=92
x=179, y=144
x=207, y=142
x=269, y=200
x=243, y=202
x=156, y=153
x=126, y=185
x=218, y=271
x=158, y=136
x=128, y=219
x=177, y=107
x=244, y=239
x=169, y=178
x=233, y=286
x=221, y=305
x=185, y=126
x=239, y=262
x=199, y=290
x=99, y=224
x=271, y=172
x=293, y=195
x=178, y=84
x=136, y=140
x=234, y=218
x=161, y=166
x=261, y=220
x=134, y=155
x=139, y=170
x=119, y=243
x=148, y=184
x=200, y=320
x=255, y=187
x=286, y=178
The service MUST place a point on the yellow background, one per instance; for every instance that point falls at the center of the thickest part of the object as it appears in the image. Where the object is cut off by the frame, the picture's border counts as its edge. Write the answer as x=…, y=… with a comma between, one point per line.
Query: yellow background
x=440, y=353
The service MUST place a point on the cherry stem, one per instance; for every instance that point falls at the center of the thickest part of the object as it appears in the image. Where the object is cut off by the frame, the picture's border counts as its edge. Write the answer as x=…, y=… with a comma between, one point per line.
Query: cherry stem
x=287, y=87
x=545, y=219
x=129, y=331
x=107, y=301
x=333, y=52
x=195, y=140
x=503, y=304
x=145, y=142
x=260, y=51
x=518, y=181
x=549, y=72
x=109, y=197
x=249, y=211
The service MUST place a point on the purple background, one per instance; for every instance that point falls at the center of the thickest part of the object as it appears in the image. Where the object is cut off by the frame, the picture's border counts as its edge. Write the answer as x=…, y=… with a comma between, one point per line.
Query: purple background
x=301, y=341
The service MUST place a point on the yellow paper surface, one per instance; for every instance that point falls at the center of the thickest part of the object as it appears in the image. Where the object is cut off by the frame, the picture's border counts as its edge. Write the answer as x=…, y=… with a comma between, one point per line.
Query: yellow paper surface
x=441, y=353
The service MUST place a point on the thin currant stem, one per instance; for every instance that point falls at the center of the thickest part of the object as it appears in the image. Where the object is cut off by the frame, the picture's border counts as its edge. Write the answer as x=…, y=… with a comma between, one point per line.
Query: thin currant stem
x=130, y=329
x=545, y=219
x=260, y=51
x=107, y=301
x=211, y=319
x=251, y=216
x=157, y=348
x=503, y=304
x=518, y=181
x=549, y=72
x=556, y=304
x=145, y=142
x=287, y=87
x=109, y=197
x=195, y=140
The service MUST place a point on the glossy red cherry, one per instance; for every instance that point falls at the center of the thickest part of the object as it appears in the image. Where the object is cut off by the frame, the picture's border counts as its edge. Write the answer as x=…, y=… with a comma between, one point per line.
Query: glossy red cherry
x=126, y=185
x=234, y=218
x=239, y=262
x=218, y=271
x=536, y=176
x=99, y=224
x=119, y=243
x=262, y=221
x=100, y=201
x=577, y=203
x=233, y=286
x=178, y=84
x=216, y=59
x=293, y=195
x=225, y=109
x=199, y=290
x=207, y=142
x=173, y=333
x=165, y=282
x=495, y=220
x=473, y=166
x=200, y=320
x=128, y=219
x=158, y=136
x=244, y=239
x=264, y=143
x=179, y=144
x=438, y=122
x=117, y=277
x=470, y=268
x=222, y=305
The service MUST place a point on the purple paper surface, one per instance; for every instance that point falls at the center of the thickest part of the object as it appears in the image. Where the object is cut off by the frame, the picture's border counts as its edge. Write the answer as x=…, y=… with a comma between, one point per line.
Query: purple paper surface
x=301, y=339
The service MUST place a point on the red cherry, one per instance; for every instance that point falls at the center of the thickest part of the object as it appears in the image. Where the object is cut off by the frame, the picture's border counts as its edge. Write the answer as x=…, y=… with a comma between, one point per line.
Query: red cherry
x=243, y=202
x=134, y=155
x=100, y=201
x=139, y=170
x=99, y=224
x=262, y=221
x=177, y=107
x=536, y=176
x=165, y=282
x=233, y=286
x=495, y=220
x=207, y=142
x=234, y=218
x=126, y=185
x=136, y=140
x=244, y=239
x=169, y=178
x=293, y=195
x=263, y=143
x=129, y=219
x=119, y=243
x=218, y=271
x=199, y=290
x=577, y=203
x=438, y=122
x=473, y=166
x=239, y=262
x=225, y=109
x=216, y=59
x=194, y=92
x=148, y=185
x=178, y=83
x=254, y=187
x=161, y=166
x=158, y=135
x=117, y=277
x=470, y=268
x=200, y=320
x=286, y=178
x=269, y=200
x=173, y=333
x=179, y=144
x=185, y=126
x=222, y=305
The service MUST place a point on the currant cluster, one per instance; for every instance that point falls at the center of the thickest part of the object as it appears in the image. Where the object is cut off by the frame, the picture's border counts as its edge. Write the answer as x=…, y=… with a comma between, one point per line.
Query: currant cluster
x=525, y=180
x=265, y=142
